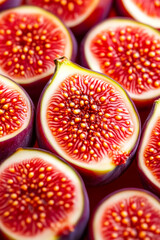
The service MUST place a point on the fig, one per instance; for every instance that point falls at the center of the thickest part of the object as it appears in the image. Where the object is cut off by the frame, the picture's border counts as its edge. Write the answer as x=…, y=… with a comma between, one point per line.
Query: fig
x=30, y=39
x=79, y=15
x=126, y=214
x=41, y=197
x=147, y=12
x=16, y=117
x=87, y=119
x=6, y=4
x=128, y=52
x=148, y=154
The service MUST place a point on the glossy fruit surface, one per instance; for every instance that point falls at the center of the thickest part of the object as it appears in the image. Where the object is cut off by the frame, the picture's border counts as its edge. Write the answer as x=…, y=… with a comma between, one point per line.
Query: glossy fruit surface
x=41, y=197
x=89, y=120
x=148, y=154
x=147, y=12
x=16, y=117
x=129, y=52
x=30, y=39
x=78, y=15
x=126, y=214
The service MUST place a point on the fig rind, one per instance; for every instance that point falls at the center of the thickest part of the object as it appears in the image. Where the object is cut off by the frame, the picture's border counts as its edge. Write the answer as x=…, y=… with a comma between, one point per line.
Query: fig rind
x=150, y=181
x=9, y=4
x=77, y=218
x=117, y=212
x=24, y=136
x=94, y=173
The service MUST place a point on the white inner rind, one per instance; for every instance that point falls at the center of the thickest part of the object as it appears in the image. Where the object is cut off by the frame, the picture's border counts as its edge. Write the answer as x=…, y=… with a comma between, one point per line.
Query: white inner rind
x=60, y=26
x=140, y=15
x=112, y=25
x=105, y=164
x=146, y=137
x=96, y=225
x=11, y=85
x=23, y=154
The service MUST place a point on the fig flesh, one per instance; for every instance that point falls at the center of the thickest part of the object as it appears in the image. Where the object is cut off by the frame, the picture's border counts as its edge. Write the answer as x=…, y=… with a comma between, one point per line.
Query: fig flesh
x=126, y=214
x=148, y=156
x=80, y=16
x=41, y=197
x=89, y=120
x=147, y=12
x=16, y=117
x=30, y=39
x=129, y=52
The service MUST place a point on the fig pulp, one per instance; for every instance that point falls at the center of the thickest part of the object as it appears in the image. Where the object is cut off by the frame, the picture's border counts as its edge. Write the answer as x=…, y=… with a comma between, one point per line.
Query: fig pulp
x=147, y=12
x=79, y=15
x=16, y=117
x=41, y=197
x=89, y=120
x=30, y=39
x=148, y=154
x=126, y=214
x=129, y=52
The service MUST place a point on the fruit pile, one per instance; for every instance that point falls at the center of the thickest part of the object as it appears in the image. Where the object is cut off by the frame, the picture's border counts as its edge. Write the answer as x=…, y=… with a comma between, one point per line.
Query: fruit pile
x=79, y=120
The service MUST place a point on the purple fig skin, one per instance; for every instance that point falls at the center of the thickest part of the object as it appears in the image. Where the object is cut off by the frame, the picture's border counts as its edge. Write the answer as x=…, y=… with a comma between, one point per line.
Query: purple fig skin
x=10, y=4
x=147, y=183
x=25, y=138
x=81, y=225
x=90, y=228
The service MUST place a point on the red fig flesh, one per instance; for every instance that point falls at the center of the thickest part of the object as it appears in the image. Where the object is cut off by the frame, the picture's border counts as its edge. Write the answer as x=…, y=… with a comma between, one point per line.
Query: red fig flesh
x=129, y=52
x=87, y=119
x=126, y=214
x=41, y=197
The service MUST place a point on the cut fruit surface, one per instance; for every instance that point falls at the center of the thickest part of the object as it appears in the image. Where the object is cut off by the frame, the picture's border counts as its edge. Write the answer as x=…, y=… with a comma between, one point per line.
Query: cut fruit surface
x=87, y=119
x=126, y=214
x=41, y=197
x=129, y=52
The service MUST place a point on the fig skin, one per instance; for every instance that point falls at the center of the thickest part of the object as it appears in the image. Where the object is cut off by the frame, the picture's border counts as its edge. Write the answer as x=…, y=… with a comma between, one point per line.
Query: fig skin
x=81, y=224
x=24, y=138
x=148, y=183
x=149, y=196
x=90, y=176
x=10, y=4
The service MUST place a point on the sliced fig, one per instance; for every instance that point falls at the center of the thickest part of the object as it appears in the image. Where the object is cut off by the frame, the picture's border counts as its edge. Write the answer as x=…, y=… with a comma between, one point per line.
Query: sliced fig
x=16, y=117
x=41, y=197
x=129, y=52
x=79, y=15
x=148, y=154
x=89, y=120
x=6, y=4
x=147, y=12
x=30, y=39
x=126, y=214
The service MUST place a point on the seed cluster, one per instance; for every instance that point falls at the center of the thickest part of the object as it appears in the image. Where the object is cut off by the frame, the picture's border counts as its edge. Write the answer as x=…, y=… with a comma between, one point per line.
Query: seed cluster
x=132, y=218
x=13, y=110
x=35, y=195
x=29, y=44
x=65, y=9
x=152, y=152
x=89, y=119
x=151, y=9
x=130, y=56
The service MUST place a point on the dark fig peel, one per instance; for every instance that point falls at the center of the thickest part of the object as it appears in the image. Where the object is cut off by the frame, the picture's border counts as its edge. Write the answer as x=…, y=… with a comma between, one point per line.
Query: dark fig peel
x=128, y=52
x=30, y=39
x=89, y=120
x=148, y=154
x=41, y=197
x=16, y=117
x=6, y=4
x=126, y=214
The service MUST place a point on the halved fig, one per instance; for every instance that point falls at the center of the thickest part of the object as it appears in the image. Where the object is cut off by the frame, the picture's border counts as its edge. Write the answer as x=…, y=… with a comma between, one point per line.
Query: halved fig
x=129, y=52
x=16, y=117
x=89, y=120
x=30, y=39
x=41, y=197
x=148, y=154
x=147, y=12
x=126, y=214
x=78, y=15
